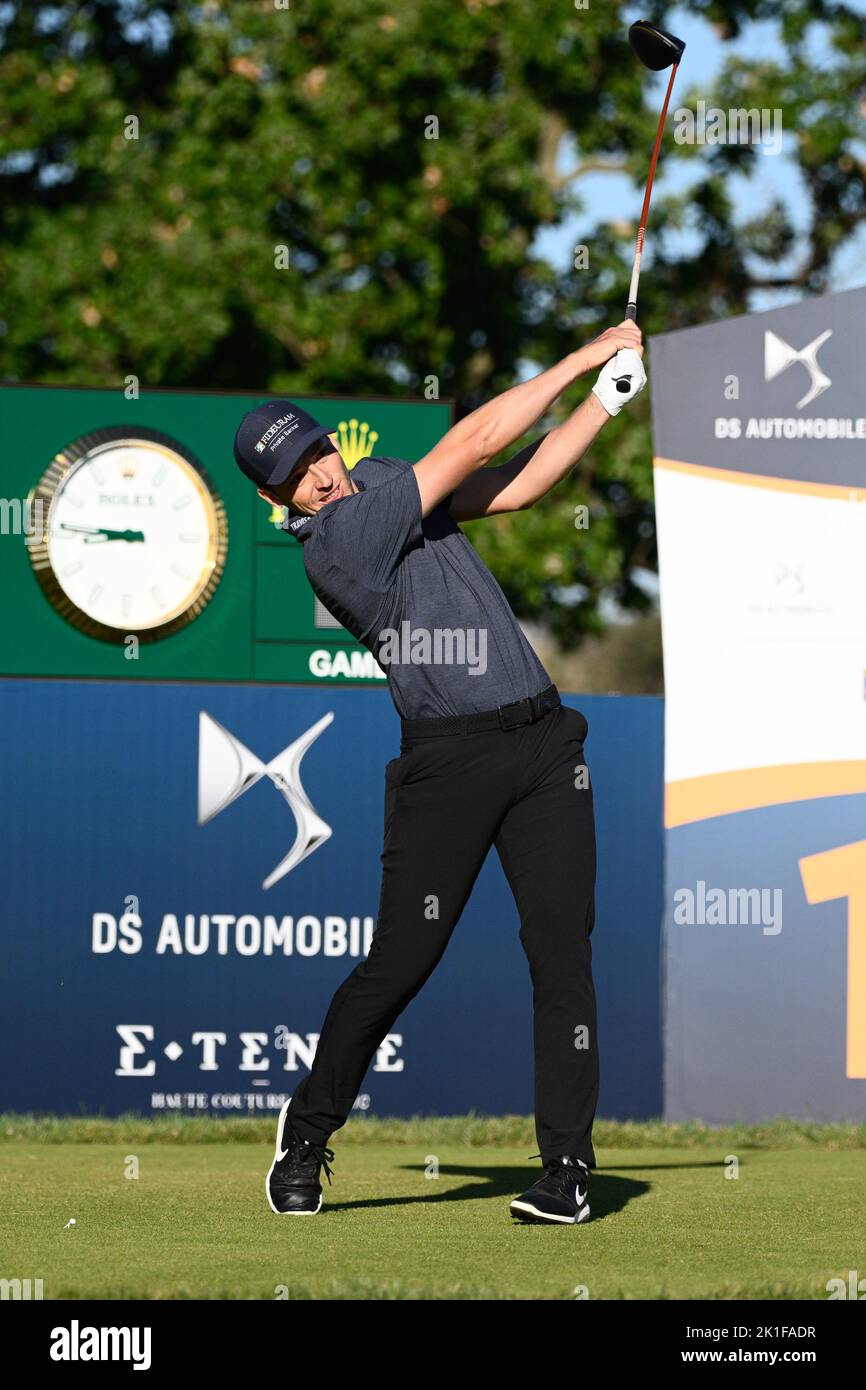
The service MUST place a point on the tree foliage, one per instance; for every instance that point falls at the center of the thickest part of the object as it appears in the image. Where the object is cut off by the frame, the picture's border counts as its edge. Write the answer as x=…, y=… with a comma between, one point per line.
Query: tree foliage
x=409, y=258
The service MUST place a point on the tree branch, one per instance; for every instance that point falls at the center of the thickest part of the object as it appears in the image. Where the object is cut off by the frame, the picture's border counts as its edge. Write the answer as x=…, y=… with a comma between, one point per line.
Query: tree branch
x=552, y=134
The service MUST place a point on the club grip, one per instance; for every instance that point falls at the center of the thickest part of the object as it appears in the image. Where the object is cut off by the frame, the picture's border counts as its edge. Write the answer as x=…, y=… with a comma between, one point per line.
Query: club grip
x=631, y=311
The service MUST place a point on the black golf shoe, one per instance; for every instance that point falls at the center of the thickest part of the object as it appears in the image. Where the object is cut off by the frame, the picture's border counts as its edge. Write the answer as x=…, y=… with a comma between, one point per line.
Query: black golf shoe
x=559, y=1196
x=292, y=1185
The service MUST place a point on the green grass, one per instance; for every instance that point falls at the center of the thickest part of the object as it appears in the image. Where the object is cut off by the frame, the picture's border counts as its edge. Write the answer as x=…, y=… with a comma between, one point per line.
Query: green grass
x=195, y=1224
x=472, y=1130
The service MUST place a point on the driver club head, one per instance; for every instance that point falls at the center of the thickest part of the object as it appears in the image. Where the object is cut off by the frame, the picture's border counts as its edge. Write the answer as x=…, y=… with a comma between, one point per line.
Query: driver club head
x=656, y=48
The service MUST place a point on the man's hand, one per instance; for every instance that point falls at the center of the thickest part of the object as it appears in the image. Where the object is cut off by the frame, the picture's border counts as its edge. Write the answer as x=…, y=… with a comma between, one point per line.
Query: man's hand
x=600, y=350
x=620, y=380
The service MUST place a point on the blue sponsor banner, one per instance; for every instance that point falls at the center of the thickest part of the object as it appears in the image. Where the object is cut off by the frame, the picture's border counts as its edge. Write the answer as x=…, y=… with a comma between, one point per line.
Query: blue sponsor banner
x=759, y=492
x=760, y=1016
x=148, y=969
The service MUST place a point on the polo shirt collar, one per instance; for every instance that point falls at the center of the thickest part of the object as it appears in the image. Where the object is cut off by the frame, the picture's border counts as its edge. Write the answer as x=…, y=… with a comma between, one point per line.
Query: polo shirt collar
x=298, y=526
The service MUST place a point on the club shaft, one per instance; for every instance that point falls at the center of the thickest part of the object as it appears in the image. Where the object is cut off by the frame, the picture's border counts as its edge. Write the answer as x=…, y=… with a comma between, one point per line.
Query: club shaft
x=631, y=309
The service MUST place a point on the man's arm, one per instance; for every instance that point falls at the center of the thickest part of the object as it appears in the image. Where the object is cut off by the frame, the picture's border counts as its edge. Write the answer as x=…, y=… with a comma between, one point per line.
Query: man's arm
x=533, y=471
x=494, y=426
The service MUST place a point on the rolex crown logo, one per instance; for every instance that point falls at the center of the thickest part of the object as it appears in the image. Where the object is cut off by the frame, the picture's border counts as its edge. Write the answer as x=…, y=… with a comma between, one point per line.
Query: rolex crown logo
x=355, y=441
x=127, y=468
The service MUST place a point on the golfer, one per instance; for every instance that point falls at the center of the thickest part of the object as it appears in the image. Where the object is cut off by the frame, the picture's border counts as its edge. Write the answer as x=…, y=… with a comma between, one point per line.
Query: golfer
x=488, y=754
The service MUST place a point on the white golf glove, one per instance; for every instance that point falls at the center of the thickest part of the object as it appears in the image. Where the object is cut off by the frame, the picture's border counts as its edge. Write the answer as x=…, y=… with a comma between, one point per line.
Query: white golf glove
x=625, y=369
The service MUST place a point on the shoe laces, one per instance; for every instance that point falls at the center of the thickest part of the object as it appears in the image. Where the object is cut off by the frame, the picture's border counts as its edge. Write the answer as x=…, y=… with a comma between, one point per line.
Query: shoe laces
x=322, y=1155
x=563, y=1174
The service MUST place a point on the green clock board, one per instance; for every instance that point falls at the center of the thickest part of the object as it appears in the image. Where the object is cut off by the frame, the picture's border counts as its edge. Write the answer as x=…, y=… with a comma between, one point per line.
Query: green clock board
x=131, y=546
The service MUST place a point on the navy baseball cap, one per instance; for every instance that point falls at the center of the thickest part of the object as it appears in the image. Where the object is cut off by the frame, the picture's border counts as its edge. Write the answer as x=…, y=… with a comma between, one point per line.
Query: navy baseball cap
x=271, y=439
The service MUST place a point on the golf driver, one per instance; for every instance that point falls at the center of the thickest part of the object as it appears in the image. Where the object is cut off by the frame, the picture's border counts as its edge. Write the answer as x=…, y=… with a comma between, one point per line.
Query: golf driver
x=657, y=50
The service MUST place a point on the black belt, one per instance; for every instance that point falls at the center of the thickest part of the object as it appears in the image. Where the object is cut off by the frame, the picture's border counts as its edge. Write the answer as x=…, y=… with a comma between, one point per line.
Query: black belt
x=525, y=711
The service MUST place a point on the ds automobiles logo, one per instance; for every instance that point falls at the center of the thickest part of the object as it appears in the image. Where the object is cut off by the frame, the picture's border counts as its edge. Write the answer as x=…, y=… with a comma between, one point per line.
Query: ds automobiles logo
x=779, y=356
x=227, y=769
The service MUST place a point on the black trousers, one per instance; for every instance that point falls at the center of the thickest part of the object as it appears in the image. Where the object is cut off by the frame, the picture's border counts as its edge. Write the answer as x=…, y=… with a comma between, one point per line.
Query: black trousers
x=447, y=800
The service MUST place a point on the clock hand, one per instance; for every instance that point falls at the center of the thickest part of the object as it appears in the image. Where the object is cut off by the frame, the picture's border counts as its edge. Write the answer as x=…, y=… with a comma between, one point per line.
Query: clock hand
x=121, y=535
x=102, y=533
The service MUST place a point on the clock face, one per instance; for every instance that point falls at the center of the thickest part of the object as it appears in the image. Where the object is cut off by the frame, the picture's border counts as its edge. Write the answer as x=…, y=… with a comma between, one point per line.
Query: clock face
x=133, y=537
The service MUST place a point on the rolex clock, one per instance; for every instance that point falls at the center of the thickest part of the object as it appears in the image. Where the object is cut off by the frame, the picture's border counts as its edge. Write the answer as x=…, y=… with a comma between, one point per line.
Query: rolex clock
x=130, y=534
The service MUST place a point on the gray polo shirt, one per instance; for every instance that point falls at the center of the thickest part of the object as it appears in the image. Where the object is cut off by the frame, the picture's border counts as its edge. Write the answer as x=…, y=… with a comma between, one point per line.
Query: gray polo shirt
x=415, y=593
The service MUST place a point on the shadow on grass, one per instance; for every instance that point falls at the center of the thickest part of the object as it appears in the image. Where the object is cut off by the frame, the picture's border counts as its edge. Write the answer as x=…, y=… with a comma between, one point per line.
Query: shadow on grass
x=609, y=1192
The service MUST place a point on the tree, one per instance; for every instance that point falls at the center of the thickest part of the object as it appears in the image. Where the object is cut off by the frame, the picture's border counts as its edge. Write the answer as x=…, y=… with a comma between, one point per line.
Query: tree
x=154, y=159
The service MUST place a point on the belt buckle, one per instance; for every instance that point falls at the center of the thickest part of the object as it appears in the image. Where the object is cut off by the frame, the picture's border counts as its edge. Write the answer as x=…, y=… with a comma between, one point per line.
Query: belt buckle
x=502, y=710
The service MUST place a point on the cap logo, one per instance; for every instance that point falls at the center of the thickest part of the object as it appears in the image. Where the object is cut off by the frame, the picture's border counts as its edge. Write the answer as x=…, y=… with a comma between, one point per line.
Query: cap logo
x=272, y=430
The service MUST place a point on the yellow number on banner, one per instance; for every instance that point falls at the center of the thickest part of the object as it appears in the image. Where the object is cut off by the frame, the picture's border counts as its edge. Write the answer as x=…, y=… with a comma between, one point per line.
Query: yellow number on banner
x=841, y=873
